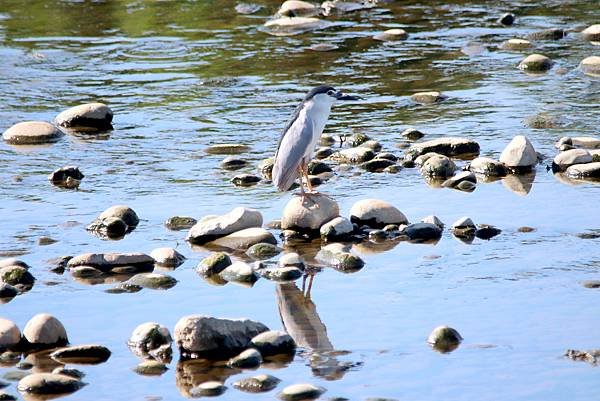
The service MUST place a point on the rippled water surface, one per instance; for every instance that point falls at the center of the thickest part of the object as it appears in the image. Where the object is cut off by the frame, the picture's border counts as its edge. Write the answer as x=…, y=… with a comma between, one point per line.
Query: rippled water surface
x=182, y=75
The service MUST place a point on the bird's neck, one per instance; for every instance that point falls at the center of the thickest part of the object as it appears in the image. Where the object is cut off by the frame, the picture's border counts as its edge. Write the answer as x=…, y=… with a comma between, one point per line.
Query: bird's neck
x=319, y=111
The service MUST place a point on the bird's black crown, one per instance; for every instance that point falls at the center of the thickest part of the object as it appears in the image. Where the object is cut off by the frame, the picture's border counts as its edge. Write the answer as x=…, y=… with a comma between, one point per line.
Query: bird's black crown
x=319, y=89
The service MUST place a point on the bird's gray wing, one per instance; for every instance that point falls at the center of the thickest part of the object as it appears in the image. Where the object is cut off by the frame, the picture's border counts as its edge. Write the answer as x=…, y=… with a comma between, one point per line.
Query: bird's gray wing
x=292, y=147
x=291, y=121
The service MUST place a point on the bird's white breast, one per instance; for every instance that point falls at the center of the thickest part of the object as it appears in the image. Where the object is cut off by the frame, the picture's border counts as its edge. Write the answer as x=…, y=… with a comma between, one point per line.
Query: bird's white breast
x=318, y=111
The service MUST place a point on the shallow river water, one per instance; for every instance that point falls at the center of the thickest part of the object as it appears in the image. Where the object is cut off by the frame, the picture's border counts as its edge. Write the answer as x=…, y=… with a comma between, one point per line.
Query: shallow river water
x=182, y=75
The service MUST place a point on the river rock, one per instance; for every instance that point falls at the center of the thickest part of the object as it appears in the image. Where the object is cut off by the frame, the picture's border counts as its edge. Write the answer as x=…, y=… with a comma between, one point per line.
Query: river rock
x=588, y=170
x=570, y=157
x=273, y=342
x=336, y=229
x=516, y=44
x=265, y=168
x=67, y=177
x=17, y=276
x=377, y=165
x=391, y=34
x=282, y=273
x=586, y=142
x=551, y=34
x=507, y=19
x=428, y=97
x=227, y=148
x=412, y=134
x=444, y=339
x=343, y=7
x=591, y=65
x=453, y=182
x=422, y=232
x=208, y=389
x=213, y=263
x=592, y=33
x=45, y=331
x=464, y=227
x=288, y=26
x=96, y=115
x=198, y=335
x=487, y=166
x=297, y=392
x=74, y=373
x=323, y=47
x=13, y=262
x=233, y=163
x=376, y=213
x=151, y=340
x=323, y=152
x=155, y=281
x=438, y=166
x=536, y=62
x=485, y=231
x=239, y=272
x=10, y=335
x=257, y=384
x=111, y=216
x=357, y=139
x=316, y=167
x=591, y=356
x=89, y=354
x=433, y=220
x=519, y=154
x=244, y=239
x=337, y=256
x=177, y=223
x=151, y=368
x=48, y=383
x=249, y=358
x=32, y=133
x=310, y=214
x=214, y=227
x=263, y=250
x=7, y=292
x=297, y=8
x=447, y=146
x=109, y=262
x=167, y=257
x=245, y=180
x=359, y=154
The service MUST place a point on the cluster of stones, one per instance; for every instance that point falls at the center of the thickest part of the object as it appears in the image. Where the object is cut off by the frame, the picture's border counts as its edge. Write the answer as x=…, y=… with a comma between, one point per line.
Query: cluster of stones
x=45, y=345
x=579, y=158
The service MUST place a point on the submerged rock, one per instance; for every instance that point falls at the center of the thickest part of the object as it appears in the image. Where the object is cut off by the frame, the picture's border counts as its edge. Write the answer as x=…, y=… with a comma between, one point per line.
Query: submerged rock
x=67, y=177
x=151, y=340
x=297, y=392
x=516, y=44
x=359, y=154
x=48, y=383
x=336, y=256
x=226, y=148
x=590, y=65
x=32, y=133
x=177, y=223
x=96, y=115
x=84, y=354
x=273, y=342
x=592, y=33
x=391, y=34
x=507, y=19
x=487, y=166
x=412, y=134
x=151, y=368
x=551, y=34
x=263, y=250
x=310, y=214
x=519, y=155
x=288, y=26
x=376, y=213
x=198, y=335
x=239, y=272
x=447, y=146
x=44, y=331
x=428, y=97
x=249, y=358
x=536, y=62
x=208, y=389
x=213, y=227
x=168, y=257
x=155, y=281
x=213, y=263
x=245, y=180
x=486, y=231
x=257, y=384
x=444, y=339
x=109, y=262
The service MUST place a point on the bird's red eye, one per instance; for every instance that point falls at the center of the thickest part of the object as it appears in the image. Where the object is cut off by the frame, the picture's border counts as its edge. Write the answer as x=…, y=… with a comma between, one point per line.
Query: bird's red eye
x=330, y=92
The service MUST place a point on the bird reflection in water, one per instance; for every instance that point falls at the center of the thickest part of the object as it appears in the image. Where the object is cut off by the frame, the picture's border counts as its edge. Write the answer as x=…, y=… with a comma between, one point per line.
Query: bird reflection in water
x=302, y=322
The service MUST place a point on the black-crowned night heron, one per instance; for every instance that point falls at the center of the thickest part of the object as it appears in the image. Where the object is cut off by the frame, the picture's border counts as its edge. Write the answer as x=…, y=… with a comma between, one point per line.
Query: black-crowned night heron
x=301, y=135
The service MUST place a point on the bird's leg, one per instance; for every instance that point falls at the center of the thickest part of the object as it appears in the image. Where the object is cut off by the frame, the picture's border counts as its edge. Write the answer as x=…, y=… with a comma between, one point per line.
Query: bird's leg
x=310, y=283
x=311, y=190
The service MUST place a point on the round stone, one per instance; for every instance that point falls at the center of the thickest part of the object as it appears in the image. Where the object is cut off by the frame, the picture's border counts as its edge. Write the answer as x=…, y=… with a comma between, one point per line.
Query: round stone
x=310, y=213
x=168, y=257
x=428, y=97
x=151, y=339
x=536, y=63
x=412, y=133
x=507, y=19
x=592, y=33
x=208, y=389
x=95, y=115
x=391, y=34
x=438, y=166
x=591, y=65
x=45, y=330
x=32, y=133
x=519, y=153
x=154, y=281
x=257, y=384
x=249, y=358
x=297, y=8
x=376, y=213
x=302, y=391
x=48, y=383
x=444, y=339
x=122, y=212
x=263, y=251
x=574, y=156
x=274, y=342
x=516, y=44
x=10, y=335
x=151, y=368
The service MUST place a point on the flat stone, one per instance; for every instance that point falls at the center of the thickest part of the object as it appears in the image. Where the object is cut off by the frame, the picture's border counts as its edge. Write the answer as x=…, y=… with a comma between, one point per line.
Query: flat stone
x=309, y=214
x=244, y=239
x=151, y=340
x=422, y=232
x=208, y=389
x=376, y=213
x=298, y=8
x=45, y=331
x=428, y=97
x=570, y=157
x=89, y=354
x=447, y=146
x=516, y=44
x=592, y=33
x=213, y=227
x=588, y=170
x=233, y=163
x=105, y=262
x=536, y=62
x=323, y=47
x=245, y=180
x=48, y=383
x=198, y=335
x=274, y=342
x=519, y=153
x=297, y=392
x=168, y=257
x=257, y=384
x=151, y=368
x=177, y=223
x=155, y=281
x=590, y=66
x=227, y=148
x=550, y=34
x=336, y=256
x=444, y=339
x=263, y=250
x=32, y=133
x=249, y=358
x=358, y=154
x=10, y=335
x=391, y=35
x=487, y=166
x=96, y=115
x=438, y=166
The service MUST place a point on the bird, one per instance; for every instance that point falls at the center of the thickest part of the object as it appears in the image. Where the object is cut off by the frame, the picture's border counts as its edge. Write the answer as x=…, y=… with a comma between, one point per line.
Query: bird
x=300, y=136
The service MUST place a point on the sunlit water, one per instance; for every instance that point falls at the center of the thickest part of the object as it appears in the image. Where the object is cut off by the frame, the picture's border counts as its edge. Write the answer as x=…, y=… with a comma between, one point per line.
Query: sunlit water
x=181, y=75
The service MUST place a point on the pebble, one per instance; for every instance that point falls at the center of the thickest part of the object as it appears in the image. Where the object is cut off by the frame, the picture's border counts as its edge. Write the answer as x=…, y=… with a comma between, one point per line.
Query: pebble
x=244, y=239
x=245, y=180
x=297, y=392
x=67, y=177
x=227, y=148
x=592, y=33
x=94, y=115
x=487, y=166
x=263, y=251
x=17, y=276
x=273, y=342
x=10, y=335
x=423, y=232
x=519, y=155
x=428, y=97
x=198, y=335
x=338, y=228
x=74, y=373
x=208, y=389
x=391, y=35
x=590, y=66
x=257, y=384
x=516, y=44
x=535, y=63
x=153, y=340
x=32, y=133
x=212, y=227
x=551, y=34
x=336, y=256
x=111, y=262
x=177, y=223
x=90, y=354
x=168, y=257
x=376, y=213
x=249, y=358
x=588, y=170
x=213, y=263
x=507, y=19
x=155, y=281
x=309, y=215
x=239, y=272
x=358, y=154
x=151, y=368
x=233, y=163
x=447, y=146
x=412, y=134
x=438, y=166
x=48, y=383
x=574, y=156
x=444, y=339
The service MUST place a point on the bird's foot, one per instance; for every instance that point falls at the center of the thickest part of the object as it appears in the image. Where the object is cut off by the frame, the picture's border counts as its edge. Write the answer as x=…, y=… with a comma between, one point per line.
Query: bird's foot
x=306, y=198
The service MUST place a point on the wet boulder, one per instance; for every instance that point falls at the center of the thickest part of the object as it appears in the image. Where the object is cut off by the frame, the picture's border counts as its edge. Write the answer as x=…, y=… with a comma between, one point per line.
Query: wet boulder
x=548, y=34
x=239, y=272
x=213, y=227
x=428, y=97
x=338, y=256
x=507, y=19
x=151, y=340
x=336, y=229
x=95, y=115
x=438, y=166
x=17, y=276
x=588, y=170
x=281, y=273
x=444, y=339
x=208, y=389
x=155, y=281
x=245, y=180
x=376, y=213
x=249, y=358
x=309, y=214
x=487, y=166
x=89, y=354
x=447, y=146
x=297, y=8
x=464, y=228
x=519, y=155
x=412, y=134
x=167, y=257
x=257, y=384
x=536, y=63
x=273, y=342
x=44, y=331
x=113, y=262
x=391, y=35
x=32, y=133
x=574, y=156
x=114, y=222
x=302, y=391
x=423, y=232
x=592, y=33
x=213, y=263
x=48, y=384
x=244, y=239
x=198, y=335
x=359, y=154
x=590, y=66
x=66, y=177
x=516, y=44
x=10, y=335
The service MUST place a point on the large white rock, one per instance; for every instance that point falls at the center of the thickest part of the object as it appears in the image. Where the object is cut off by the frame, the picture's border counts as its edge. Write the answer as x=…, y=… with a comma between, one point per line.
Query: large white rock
x=44, y=329
x=376, y=213
x=519, y=153
x=309, y=213
x=105, y=262
x=297, y=8
x=96, y=115
x=570, y=157
x=592, y=33
x=10, y=335
x=588, y=170
x=32, y=133
x=214, y=227
x=151, y=339
x=591, y=65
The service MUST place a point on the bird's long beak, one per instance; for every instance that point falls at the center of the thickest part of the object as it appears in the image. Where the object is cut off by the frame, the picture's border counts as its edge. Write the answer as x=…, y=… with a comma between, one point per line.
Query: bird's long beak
x=340, y=96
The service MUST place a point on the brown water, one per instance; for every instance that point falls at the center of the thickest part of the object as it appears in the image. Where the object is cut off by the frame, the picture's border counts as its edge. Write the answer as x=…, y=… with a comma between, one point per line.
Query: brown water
x=181, y=75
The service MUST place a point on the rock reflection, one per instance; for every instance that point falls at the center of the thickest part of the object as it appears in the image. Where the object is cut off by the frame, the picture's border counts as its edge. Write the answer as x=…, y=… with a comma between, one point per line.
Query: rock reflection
x=191, y=373
x=520, y=184
x=42, y=362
